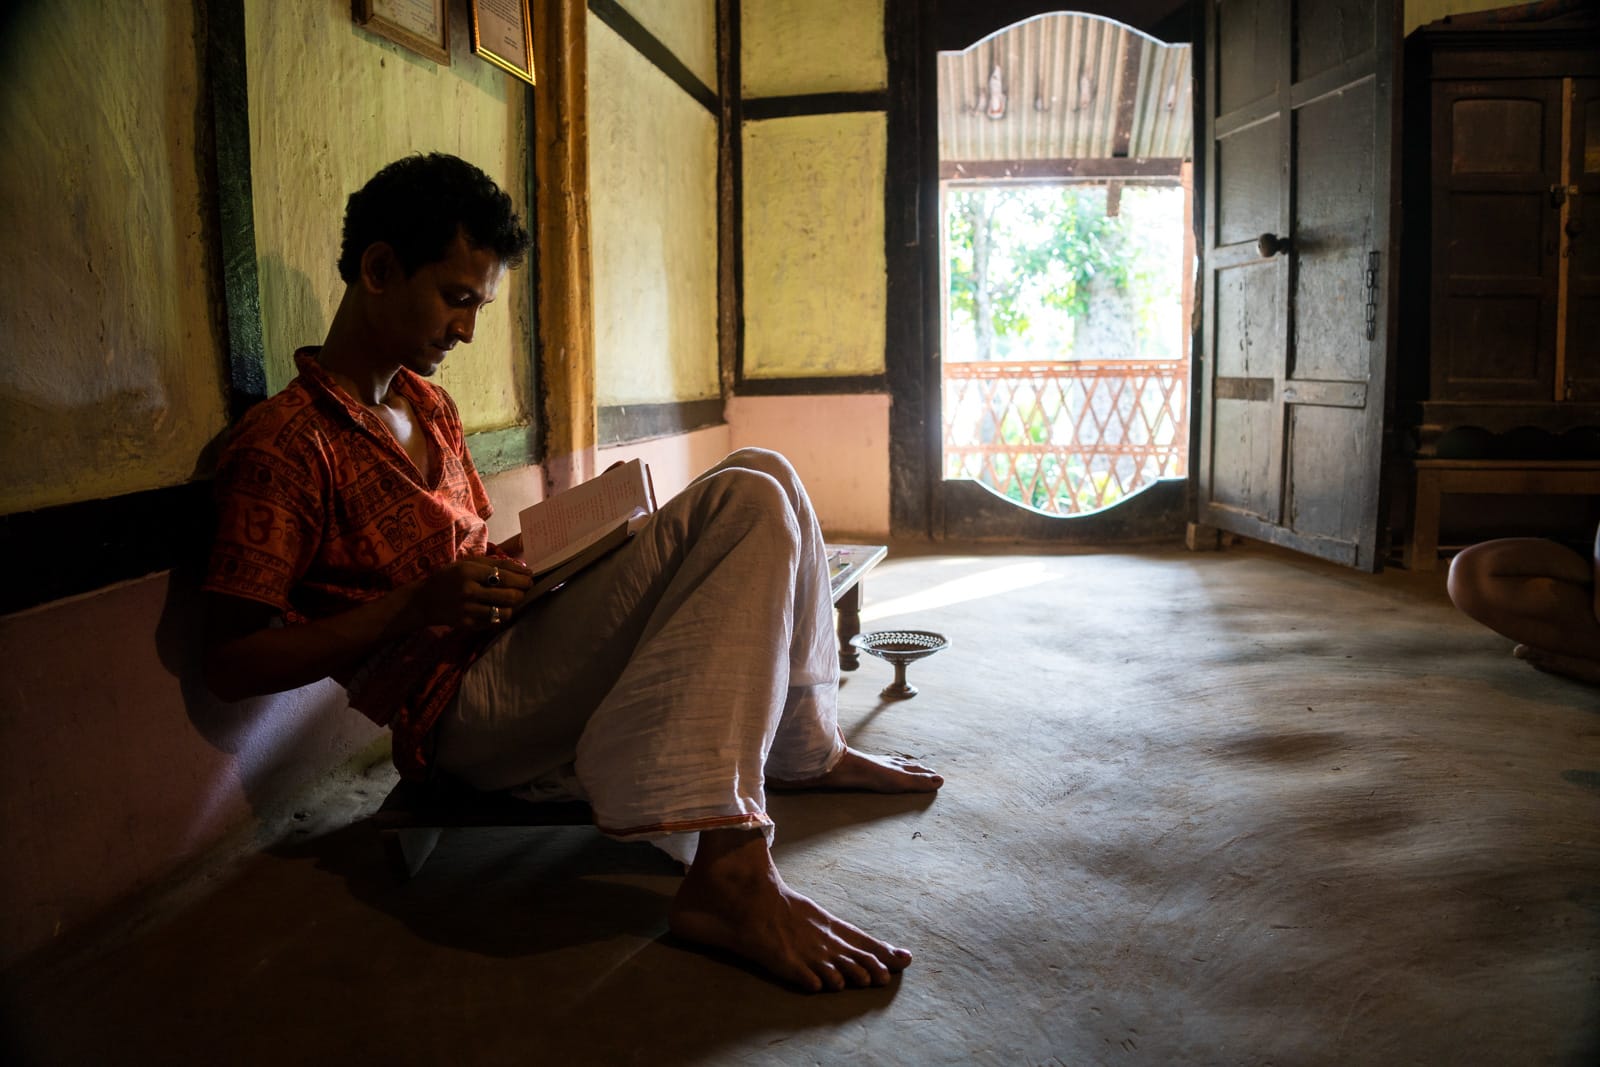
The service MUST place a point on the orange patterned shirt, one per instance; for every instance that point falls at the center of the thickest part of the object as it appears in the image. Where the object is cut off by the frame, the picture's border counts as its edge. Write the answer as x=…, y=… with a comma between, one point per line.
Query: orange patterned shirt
x=321, y=510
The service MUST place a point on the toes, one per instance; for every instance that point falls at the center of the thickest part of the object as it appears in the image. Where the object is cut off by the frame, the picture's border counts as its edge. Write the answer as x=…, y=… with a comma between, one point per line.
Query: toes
x=809, y=979
x=890, y=957
x=852, y=971
x=832, y=980
x=872, y=968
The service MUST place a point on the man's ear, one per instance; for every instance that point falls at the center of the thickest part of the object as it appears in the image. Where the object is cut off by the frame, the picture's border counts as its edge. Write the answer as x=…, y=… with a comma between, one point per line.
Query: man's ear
x=380, y=265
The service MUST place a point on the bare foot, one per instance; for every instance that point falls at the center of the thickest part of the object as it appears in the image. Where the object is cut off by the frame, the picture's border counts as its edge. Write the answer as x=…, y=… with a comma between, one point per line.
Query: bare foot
x=734, y=899
x=1584, y=670
x=871, y=774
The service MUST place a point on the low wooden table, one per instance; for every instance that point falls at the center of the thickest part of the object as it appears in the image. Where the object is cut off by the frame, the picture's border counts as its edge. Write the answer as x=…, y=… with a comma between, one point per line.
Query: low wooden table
x=414, y=814
x=847, y=565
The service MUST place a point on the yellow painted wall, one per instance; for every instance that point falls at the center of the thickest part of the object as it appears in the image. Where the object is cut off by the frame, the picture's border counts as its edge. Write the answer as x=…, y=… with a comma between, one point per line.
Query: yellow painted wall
x=329, y=105
x=112, y=376
x=687, y=27
x=653, y=209
x=1422, y=12
x=789, y=47
x=814, y=271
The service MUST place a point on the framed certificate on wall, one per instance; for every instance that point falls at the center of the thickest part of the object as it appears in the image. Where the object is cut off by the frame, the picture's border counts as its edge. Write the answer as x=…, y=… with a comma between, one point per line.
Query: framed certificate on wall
x=420, y=25
x=502, y=33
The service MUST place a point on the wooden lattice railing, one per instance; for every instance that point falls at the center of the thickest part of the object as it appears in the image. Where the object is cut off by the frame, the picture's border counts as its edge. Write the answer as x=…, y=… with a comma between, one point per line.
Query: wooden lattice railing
x=1066, y=437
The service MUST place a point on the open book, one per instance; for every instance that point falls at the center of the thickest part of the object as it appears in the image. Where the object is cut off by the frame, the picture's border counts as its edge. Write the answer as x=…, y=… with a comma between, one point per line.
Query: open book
x=567, y=532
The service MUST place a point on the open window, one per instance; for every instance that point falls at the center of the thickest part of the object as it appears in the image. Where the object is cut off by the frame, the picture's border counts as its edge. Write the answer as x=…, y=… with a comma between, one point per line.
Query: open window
x=1067, y=263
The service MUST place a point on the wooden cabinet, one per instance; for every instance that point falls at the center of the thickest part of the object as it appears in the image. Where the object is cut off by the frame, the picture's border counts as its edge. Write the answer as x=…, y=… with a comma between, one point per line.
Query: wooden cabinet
x=1500, y=320
x=1503, y=157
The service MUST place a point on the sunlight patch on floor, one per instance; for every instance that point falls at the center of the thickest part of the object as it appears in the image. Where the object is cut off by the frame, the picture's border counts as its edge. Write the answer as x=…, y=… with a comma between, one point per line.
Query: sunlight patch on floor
x=996, y=581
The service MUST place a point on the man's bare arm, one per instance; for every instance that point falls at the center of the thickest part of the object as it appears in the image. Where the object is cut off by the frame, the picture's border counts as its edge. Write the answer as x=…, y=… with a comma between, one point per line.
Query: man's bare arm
x=248, y=656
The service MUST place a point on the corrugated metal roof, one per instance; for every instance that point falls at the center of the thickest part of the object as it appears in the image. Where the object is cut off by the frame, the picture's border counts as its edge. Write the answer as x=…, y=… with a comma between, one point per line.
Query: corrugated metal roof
x=1053, y=87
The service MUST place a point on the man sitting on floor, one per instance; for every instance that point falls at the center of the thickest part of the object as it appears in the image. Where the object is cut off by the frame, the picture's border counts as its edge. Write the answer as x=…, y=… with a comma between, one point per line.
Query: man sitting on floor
x=669, y=684
x=1538, y=593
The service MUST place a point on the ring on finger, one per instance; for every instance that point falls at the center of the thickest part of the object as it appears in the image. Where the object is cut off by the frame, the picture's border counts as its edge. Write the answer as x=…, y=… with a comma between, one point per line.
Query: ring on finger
x=493, y=579
x=494, y=614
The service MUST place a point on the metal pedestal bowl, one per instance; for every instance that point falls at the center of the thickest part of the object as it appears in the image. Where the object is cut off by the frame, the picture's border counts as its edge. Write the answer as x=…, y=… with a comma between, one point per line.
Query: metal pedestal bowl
x=900, y=647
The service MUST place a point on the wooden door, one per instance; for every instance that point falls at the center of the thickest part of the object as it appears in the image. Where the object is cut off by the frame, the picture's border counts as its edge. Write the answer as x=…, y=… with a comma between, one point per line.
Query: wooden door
x=1300, y=172
x=1494, y=286
x=1580, y=357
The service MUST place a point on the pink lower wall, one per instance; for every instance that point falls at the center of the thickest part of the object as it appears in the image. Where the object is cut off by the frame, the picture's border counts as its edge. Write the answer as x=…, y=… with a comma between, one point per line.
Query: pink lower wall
x=838, y=444
x=118, y=767
x=674, y=461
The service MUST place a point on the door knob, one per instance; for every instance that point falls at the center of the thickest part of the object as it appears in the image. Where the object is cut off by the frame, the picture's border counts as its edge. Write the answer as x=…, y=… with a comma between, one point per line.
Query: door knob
x=1270, y=244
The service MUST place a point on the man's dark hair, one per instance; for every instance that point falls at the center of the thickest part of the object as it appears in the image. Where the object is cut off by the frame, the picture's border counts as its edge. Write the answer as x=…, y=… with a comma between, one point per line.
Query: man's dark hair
x=417, y=204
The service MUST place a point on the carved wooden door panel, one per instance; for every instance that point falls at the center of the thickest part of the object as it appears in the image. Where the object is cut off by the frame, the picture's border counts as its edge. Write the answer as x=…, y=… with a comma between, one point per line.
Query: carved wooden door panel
x=1581, y=333
x=1300, y=168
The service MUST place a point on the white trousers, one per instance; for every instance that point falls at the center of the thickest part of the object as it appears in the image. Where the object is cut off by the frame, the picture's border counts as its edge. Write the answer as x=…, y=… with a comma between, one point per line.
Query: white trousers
x=668, y=680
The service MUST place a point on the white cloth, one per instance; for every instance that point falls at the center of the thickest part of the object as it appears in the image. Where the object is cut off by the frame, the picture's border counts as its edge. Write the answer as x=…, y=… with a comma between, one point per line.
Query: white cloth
x=664, y=684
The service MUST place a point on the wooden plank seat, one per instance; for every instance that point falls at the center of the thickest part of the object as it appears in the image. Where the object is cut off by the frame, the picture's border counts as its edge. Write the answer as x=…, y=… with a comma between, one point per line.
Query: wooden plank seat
x=415, y=814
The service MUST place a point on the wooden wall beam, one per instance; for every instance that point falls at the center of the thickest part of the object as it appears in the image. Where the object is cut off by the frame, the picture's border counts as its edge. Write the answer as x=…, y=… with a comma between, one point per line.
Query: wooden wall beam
x=730, y=200
x=560, y=154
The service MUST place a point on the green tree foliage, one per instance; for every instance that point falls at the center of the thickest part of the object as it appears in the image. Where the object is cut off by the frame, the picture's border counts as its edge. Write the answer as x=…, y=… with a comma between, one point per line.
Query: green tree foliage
x=1021, y=254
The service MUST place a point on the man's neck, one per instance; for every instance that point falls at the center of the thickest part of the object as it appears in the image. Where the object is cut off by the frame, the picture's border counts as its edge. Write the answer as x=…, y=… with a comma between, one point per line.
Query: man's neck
x=352, y=359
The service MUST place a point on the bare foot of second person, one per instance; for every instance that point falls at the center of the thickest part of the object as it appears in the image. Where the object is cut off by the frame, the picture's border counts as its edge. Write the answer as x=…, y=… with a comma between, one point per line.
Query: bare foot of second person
x=734, y=899
x=871, y=774
x=1583, y=670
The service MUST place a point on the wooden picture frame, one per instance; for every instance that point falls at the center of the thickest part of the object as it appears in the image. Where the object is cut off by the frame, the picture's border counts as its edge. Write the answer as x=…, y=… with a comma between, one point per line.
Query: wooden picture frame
x=502, y=33
x=423, y=26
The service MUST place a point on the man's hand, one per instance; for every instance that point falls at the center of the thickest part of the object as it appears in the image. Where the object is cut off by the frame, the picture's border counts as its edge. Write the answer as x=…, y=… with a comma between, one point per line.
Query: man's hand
x=246, y=655
x=482, y=592
x=512, y=546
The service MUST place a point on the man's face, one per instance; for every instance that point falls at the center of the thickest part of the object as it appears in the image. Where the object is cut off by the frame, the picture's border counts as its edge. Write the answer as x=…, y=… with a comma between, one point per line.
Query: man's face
x=422, y=317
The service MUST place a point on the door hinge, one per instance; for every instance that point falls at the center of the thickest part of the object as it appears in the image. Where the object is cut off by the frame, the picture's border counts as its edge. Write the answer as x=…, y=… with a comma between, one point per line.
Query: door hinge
x=1372, y=295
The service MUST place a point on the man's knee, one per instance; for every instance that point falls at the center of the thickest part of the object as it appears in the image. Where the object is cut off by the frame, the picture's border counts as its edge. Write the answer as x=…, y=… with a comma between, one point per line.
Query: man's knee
x=755, y=496
x=773, y=464
x=1468, y=579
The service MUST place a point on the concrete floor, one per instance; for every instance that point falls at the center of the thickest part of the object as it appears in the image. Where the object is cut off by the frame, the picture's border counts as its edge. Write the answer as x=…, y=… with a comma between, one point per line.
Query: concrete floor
x=1238, y=808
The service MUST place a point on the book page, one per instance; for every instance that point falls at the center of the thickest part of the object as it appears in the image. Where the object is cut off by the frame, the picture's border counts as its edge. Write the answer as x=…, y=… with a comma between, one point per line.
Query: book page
x=553, y=530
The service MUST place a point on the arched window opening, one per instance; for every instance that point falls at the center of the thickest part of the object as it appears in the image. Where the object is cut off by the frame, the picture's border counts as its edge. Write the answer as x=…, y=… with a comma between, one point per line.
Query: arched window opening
x=1065, y=144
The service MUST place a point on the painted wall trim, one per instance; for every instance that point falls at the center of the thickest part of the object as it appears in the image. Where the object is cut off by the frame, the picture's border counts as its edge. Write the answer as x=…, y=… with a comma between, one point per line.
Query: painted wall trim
x=650, y=47
x=120, y=538
x=96, y=543
x=787, y=107
x=494, y=451
x=235, y=243
x=860, y=383
x=621, y=423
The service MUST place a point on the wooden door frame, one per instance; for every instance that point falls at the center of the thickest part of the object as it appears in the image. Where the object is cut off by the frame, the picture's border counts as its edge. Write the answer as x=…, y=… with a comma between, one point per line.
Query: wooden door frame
x=914, y=32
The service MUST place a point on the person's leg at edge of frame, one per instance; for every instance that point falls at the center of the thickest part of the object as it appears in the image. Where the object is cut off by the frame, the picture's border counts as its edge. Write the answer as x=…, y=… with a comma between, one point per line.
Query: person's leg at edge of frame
x=1537, y=593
